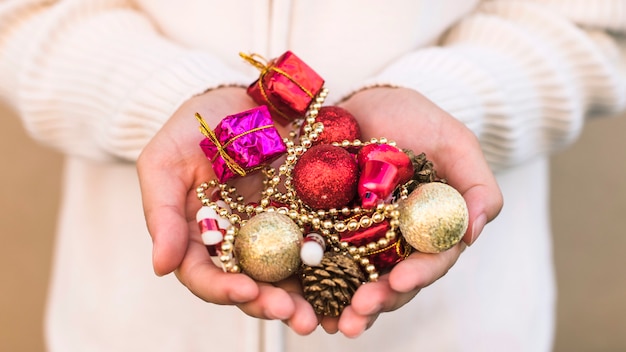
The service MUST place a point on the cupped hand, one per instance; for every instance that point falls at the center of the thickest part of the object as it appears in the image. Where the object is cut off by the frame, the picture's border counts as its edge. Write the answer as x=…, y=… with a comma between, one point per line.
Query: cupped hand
x=415, y=123
x=170, y=168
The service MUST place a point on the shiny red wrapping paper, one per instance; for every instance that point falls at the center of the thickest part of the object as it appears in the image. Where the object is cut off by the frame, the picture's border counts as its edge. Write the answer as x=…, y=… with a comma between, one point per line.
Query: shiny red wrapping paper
x=287, y=86
x=383, y=258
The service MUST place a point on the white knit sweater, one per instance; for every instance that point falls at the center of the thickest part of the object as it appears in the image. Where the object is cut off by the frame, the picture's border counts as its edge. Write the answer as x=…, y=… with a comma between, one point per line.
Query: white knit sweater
x=96, y=79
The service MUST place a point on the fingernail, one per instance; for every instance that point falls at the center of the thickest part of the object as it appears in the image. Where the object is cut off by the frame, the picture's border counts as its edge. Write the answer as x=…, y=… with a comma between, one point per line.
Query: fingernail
x=477, y=228
x=154, y=261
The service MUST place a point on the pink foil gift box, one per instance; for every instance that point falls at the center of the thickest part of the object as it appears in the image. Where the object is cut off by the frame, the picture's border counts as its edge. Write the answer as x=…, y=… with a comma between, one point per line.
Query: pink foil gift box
x=287, y=86
x=242, y=143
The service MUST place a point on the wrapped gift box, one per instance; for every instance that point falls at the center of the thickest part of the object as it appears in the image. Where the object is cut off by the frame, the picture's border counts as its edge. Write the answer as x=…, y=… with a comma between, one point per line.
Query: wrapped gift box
x=287, y=86
x=242, y=143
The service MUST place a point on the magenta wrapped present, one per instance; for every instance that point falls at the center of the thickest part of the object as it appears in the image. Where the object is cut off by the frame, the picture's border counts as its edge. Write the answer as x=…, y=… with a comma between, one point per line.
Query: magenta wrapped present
x=286, y=85
x=242, y=143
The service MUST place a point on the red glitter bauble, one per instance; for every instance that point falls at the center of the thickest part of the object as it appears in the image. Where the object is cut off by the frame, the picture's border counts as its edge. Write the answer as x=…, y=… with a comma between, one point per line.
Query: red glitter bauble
x=339, y=125
x=326, y=177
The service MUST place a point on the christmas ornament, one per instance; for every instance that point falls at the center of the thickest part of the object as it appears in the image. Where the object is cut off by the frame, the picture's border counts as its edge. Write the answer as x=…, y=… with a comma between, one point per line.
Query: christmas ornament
x=212, y=226
x=325, y=177
x=312, y=250
x=337, y=212
x=391, y=248
x=433, y=218
x=339, y=125
x=286, y=85
x=241, y=143
x=268, y=247
x=383, y=168
x=329, y=287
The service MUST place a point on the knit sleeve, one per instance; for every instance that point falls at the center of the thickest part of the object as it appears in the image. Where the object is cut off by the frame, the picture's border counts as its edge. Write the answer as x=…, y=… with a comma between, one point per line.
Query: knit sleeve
x=95, y=78
x=522, y=75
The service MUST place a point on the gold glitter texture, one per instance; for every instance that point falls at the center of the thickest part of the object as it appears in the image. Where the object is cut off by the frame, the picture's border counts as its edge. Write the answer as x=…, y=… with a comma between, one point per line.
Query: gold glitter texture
x=268, y=247
x=433, y=218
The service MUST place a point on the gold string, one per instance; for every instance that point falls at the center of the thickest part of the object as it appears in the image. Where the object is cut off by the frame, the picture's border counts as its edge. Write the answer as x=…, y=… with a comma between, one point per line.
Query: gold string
x=232, y=164
x=260, y=62
x=255, y=60
x=403, y=248
x=256, y=129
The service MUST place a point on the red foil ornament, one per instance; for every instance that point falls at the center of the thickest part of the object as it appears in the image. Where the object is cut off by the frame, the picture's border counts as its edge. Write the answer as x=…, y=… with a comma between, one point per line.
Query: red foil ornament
x=325, y=177
x=287, y=86
x=339, y=125
x=383, y=168
x=383, y=258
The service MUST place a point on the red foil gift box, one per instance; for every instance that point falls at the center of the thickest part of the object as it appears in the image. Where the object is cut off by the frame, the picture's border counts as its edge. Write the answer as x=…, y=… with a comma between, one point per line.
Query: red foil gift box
x=287, y=86
x=242, y=143
x=383, y=258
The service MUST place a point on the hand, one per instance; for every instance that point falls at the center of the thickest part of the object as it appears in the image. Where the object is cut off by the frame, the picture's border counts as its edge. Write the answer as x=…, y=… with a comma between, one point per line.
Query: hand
x=414, y=122
x=170, y=168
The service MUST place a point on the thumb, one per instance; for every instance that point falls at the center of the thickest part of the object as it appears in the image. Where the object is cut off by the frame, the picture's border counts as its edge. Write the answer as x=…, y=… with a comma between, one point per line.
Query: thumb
x=163, y=198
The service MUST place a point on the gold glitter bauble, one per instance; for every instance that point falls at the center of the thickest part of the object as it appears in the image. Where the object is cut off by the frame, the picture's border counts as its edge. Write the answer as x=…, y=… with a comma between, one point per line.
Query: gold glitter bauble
x=268, y=247
x=434, y=217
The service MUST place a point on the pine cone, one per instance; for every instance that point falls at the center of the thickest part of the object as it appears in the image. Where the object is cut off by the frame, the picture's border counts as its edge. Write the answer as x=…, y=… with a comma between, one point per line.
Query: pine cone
x=424, y=171
x=423, y=168
x=329, y=287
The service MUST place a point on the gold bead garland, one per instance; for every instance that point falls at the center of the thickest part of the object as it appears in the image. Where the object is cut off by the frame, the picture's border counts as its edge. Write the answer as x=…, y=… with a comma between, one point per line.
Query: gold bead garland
x=305, y=221
x=329, y=223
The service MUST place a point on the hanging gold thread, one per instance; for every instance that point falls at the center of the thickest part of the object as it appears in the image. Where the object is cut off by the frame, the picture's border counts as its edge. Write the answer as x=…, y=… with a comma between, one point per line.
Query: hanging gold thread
x=260, y=63
x=255, y=60
x=221, y=148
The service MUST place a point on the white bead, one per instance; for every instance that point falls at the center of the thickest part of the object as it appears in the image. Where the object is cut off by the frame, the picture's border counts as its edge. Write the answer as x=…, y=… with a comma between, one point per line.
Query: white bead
x=311, y=253
x=206, y=213
x=212, y=237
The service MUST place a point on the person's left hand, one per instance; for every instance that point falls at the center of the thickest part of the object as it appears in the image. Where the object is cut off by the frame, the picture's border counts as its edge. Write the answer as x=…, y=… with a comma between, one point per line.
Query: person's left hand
x=415, y=123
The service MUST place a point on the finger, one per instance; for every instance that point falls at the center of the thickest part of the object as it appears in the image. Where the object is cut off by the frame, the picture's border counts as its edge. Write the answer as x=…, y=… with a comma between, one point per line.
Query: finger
x=210, y=283
x=422, y=269
x=304, y=320
x=164, y=214
x=377, y=297
x=271, y=303
x=352, y=324
x=482, y=208
x=330, y=324
x=470, y=174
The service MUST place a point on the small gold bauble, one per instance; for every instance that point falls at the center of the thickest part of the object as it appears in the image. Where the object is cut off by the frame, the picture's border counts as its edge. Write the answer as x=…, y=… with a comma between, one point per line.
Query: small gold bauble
x=433, y=218
x=268, y=247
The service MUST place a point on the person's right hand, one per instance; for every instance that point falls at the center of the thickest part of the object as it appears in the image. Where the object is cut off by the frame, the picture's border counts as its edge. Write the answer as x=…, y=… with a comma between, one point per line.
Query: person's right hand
x=170, y=168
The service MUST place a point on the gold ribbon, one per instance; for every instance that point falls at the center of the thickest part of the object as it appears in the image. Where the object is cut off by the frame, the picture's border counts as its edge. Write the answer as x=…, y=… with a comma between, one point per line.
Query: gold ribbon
x=260, y=63
x=221, y=148
x=402, y=248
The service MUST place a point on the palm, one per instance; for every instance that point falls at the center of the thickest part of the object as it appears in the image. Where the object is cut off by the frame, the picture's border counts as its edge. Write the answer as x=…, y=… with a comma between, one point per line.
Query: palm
x=419, y=125
x=170, y=169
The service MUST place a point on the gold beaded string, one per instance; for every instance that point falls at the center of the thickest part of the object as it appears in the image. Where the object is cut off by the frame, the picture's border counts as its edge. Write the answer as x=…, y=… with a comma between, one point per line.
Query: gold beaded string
x=323, y=221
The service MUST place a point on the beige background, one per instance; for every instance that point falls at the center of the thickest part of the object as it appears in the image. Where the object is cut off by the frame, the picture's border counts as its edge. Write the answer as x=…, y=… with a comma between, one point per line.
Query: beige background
x=589, y=208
